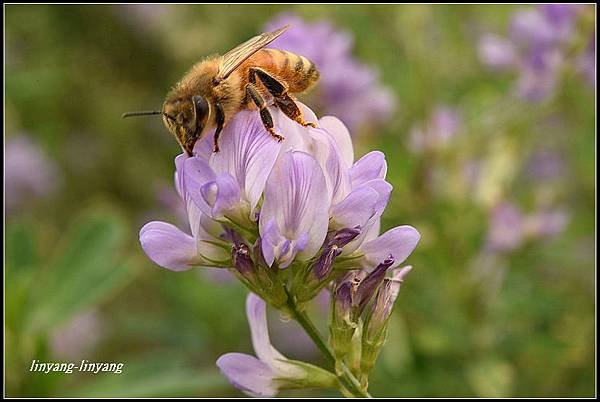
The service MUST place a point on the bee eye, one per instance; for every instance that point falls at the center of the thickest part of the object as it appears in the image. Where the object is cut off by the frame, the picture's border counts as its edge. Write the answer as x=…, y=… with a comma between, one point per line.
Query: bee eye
x=201, y=107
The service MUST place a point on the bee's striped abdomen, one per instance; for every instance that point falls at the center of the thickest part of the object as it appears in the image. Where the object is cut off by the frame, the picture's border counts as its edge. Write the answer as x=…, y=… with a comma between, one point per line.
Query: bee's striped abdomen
x=297, y=72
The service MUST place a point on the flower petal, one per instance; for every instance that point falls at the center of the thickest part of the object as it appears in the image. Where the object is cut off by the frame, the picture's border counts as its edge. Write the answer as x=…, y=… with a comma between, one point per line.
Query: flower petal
x=296, y=198
x=248, y=374
x=247, y=153
x=384, y=189
x=203, y=148
x=168, y=246
x=369, y=167
x=399, y=242
x=356, y=209
x=179, y=181
x=228, y=195
x=327, y=153
x=256, y=311
x=296, y=137
x=338, y=130
x=196, y=174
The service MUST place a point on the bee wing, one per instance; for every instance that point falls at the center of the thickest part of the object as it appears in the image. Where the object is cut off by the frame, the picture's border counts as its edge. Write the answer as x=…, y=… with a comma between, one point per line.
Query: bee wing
x=232, y=59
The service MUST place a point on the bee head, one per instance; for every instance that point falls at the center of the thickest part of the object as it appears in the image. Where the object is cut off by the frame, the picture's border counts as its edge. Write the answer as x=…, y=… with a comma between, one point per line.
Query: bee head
x=186, y=119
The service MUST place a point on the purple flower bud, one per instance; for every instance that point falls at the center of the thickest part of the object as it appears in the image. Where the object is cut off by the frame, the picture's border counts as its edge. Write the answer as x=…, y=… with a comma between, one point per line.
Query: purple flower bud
x=342, y=328
x=324, y=264
x=345, y=236
x=381, y=308
x=240, y=254
x=367, y=288
x=377, y=319
x=342, y=300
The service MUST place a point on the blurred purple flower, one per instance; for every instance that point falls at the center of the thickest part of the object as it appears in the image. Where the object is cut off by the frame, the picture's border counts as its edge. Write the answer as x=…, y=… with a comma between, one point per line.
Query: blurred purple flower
x=74, y=339
x=265, y=375
x=437, y=133
x=506, y=232
x=547, y=222
x=587, y=62
x=510, y=228
x=536, y=48
x=347, y=88
x=545, y=165
x=29, y=174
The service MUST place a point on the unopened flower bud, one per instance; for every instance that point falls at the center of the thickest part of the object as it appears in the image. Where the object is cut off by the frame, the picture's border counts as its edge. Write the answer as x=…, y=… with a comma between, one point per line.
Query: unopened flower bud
x=344, y=236
x=377, y=319
x=322, y=268
x=240, y=254
x=317, y=275
x=367, y=287
x=341, y=327
x=259, y=278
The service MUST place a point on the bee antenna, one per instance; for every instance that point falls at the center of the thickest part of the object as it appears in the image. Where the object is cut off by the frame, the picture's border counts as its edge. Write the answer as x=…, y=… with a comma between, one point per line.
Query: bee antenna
x=142, y=113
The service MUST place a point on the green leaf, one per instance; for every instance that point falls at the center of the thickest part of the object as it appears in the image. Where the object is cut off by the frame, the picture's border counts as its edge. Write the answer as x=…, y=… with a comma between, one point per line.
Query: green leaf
x=21, y=251
x=86, y=272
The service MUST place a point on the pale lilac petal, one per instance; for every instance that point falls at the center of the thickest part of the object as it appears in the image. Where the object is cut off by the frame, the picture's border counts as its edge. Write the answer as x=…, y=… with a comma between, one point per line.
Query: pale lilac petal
x=338, y=130
x=168, y=246
x=196, y=174
x=384, y=190
x=296, y=198
x=179, y=180
x=248, y=374
x=399, y=242
x=327, y=153
x=356, y=209
x=369, y=167
x=256, y=311
x=228, y=194
x=308, y=114
x=206, y=232
x=270, y=238
x=248, y=153
x=497, y=52
x=204, y=147
x=296, y=137
x=368, y=232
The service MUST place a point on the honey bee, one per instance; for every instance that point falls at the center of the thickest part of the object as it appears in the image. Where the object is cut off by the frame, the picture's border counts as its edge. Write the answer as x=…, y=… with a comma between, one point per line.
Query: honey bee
x=215, y=89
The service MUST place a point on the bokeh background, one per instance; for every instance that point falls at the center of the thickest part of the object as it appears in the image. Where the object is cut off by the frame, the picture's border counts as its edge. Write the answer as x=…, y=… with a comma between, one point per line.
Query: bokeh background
x=486, y=114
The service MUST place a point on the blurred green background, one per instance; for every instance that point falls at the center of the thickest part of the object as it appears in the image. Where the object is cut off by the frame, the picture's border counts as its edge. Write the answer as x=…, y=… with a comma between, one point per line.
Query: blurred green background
x=78, y=285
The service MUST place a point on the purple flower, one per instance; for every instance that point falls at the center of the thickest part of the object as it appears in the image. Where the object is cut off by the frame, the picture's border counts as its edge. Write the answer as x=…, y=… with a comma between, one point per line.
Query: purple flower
x=537, y=47
x=547, y=222
x=174, y=249
x=347, y=88
x=506, y=231
x=264, y=375
x=586, y=63
x=29, y=173
x=77, y=337
x=510, y=227
x=300, y=189
x=544, y=165
x=259, y=206
x=437, y=133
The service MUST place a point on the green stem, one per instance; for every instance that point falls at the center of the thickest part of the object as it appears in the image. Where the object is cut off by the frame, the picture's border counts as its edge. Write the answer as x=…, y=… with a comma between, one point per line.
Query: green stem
x=346, y=377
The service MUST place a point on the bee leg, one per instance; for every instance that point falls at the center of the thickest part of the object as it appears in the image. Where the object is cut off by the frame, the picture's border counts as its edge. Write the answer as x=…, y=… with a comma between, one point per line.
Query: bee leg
x=220, y=118
x=265, y=116
x=282, y=100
